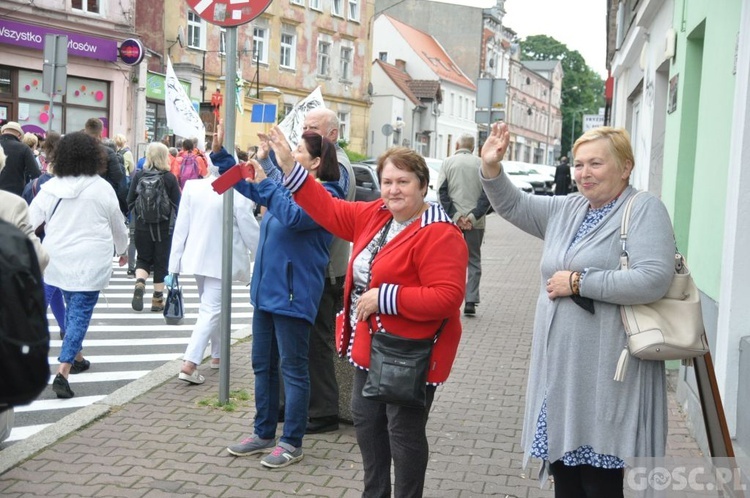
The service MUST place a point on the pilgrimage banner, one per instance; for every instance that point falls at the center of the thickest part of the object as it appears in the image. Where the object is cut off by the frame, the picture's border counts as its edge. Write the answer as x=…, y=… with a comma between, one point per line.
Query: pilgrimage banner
x=181, y=115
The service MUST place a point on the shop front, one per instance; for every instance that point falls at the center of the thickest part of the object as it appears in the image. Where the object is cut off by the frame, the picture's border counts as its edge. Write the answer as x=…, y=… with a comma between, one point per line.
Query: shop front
x=97, y=84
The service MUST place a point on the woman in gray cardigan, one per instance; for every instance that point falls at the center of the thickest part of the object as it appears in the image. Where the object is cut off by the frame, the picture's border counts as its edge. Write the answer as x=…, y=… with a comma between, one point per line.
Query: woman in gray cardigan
x=578, y=419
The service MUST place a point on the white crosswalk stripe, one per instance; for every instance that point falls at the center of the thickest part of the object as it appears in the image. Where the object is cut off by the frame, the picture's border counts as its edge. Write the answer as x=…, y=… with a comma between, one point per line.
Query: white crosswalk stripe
x=122, y=345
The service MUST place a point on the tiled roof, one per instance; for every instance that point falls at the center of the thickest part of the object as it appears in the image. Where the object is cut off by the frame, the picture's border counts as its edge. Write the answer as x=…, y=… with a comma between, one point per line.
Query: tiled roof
x=426, y=89
x=430, y=50
x=400, y=78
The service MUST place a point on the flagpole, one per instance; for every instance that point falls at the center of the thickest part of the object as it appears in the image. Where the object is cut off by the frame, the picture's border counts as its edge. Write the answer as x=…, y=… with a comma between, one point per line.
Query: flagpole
x=230, y=117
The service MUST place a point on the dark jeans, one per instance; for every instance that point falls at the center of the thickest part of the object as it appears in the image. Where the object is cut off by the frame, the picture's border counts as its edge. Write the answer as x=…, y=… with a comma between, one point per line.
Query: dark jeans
x=585, y=481
x=391, y=432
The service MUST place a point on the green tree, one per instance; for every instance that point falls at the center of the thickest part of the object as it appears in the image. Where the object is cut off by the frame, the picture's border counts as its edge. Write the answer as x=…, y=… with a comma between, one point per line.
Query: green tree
x=582, y=87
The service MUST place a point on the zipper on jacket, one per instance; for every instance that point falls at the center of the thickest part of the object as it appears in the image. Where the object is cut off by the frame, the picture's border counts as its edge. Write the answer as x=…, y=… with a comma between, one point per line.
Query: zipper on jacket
x=290, y=279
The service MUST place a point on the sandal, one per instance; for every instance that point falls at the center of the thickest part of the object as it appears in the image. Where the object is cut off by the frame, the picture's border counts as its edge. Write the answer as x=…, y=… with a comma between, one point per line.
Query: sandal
x=193, y=378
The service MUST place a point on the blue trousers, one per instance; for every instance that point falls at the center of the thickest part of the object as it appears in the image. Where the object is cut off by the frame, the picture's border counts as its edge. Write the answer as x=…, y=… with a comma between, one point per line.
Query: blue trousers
x=79, y=306
x=55, y=301
x=278, y=337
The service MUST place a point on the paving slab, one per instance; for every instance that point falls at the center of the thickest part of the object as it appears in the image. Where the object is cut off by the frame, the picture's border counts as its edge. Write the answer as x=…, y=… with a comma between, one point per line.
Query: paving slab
x=158, y=438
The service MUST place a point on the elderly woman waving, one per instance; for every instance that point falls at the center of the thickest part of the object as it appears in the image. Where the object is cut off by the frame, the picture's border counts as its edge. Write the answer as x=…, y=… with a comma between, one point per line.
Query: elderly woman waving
x=579, y=420
x=408, y=268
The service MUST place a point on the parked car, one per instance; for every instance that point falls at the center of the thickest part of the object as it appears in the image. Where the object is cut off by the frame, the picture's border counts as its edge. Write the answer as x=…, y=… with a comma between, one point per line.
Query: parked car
x=521, y=185
x=433, y=165
x=368, y=187
x=530, y=173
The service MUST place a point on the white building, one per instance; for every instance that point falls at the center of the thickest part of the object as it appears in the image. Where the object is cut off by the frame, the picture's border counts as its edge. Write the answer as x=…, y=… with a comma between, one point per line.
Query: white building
x=418, y=54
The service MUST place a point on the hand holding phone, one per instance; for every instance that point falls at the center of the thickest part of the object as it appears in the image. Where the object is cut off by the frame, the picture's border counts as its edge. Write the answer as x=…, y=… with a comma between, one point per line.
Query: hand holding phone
x=235, y=174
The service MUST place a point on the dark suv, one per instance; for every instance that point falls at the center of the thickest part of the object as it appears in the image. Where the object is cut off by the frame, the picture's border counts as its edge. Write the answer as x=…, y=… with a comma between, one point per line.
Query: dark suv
x=368, y=187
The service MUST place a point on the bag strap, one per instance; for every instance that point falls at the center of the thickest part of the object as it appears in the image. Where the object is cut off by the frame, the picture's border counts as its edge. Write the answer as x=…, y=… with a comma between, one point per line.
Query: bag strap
x=380, y=326
x=381, y=243
x=54, y=209
x=624, y=225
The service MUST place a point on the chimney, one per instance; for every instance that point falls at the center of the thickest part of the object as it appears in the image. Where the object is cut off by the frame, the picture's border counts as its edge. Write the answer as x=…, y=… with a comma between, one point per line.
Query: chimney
x=401, y=64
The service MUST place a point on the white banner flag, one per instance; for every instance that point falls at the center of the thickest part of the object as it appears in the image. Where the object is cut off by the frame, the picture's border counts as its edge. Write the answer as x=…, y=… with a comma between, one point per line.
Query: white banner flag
x=181, y=115
x=292, y=123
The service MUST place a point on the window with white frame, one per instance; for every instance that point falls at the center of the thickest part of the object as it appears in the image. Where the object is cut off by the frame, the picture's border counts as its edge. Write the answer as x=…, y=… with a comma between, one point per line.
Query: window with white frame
x=90, y=6
x=288, y=47
x=324, y=58
x=354, y=10
x=337, y=8
x=346, y=63
x=222, y=41
x=298, y=2
x=315, y=5
x=260, y=44
x=343, y=126
x=196, y=31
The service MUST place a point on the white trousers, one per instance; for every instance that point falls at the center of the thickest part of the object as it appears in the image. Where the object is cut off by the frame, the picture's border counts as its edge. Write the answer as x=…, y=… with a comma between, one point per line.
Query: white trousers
x=207, y=327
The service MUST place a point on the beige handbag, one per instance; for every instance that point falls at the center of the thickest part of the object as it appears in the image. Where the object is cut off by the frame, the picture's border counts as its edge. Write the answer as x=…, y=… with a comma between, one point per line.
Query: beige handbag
x=668, y=329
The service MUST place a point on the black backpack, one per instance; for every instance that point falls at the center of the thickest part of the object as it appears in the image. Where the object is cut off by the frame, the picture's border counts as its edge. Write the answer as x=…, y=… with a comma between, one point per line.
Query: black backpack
x=152, y=204
x=24, y=332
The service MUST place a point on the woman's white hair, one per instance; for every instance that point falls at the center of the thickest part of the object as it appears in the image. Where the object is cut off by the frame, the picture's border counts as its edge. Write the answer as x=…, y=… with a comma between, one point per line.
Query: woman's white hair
x=157, y=157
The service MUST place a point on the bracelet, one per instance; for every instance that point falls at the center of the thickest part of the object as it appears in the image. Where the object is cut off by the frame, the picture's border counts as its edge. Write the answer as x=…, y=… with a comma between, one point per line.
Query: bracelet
x=574, y=281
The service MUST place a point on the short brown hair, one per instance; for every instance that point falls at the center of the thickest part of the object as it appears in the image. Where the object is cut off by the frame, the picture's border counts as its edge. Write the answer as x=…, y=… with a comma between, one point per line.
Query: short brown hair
x=94, y=127
x=407, y=160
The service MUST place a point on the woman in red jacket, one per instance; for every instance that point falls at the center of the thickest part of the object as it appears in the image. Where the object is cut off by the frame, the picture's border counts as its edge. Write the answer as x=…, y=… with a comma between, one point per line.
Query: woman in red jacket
x=415, y=281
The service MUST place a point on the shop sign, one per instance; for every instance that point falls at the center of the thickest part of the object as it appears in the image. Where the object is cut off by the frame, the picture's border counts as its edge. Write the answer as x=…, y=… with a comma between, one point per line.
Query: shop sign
x=132, y=52
x=155, y=86
x=30, y=36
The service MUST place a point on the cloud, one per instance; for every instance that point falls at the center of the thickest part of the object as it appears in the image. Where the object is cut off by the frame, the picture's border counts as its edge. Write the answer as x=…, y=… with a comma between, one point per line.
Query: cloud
x=581, y=25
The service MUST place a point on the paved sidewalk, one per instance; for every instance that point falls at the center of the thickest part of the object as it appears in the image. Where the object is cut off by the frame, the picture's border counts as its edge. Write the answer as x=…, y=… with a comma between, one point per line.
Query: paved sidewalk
x=164, y=443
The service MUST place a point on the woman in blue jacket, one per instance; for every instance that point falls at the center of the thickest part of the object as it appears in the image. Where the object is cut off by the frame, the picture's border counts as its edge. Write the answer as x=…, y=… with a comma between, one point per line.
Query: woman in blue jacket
x=285, y=291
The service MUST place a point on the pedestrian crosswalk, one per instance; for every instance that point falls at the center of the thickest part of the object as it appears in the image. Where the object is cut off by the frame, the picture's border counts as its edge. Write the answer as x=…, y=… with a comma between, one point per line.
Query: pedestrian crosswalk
x=122, y=345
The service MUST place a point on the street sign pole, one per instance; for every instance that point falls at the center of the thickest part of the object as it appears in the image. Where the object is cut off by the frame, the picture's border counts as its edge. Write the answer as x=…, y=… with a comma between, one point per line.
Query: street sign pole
x=228, y=14
x=230, y=122
x=54, y=69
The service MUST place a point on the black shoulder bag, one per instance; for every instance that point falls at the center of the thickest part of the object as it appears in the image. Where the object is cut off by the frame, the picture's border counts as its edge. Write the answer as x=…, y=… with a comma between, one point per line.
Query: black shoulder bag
x=398, y=365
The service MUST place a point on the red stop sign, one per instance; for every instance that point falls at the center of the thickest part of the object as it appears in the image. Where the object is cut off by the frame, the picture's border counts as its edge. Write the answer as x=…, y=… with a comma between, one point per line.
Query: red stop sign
x=228, y=12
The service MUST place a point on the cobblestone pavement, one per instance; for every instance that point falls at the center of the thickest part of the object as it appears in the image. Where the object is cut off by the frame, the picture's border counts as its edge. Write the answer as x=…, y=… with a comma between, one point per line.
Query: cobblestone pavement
x=164, y=442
